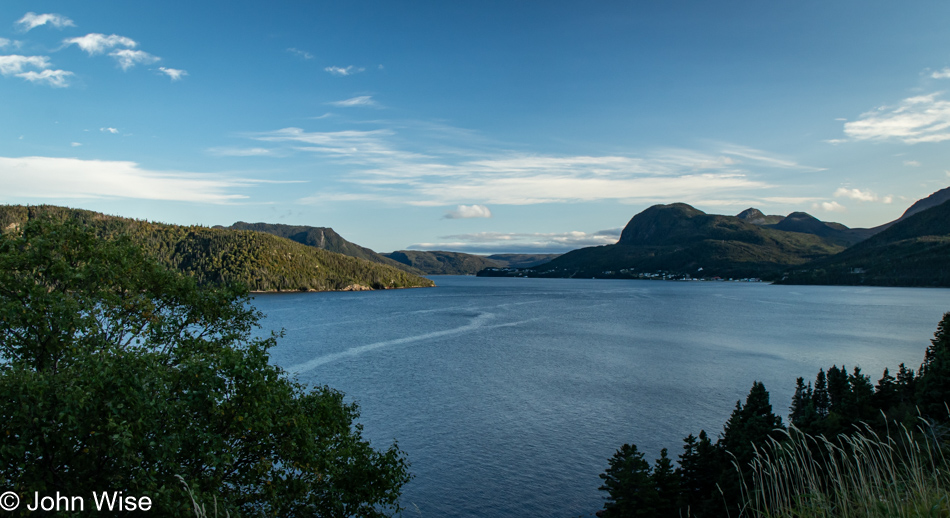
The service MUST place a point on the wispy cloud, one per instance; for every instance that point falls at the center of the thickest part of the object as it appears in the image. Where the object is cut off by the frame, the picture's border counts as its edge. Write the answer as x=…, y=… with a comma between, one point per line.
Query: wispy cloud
x=922, y=118
x=756, y=156
x=301, y=53
x=95, y=43
x=5, y=43
x=15, y=65
x=941, y=74
x=535, y=242
x=46, y=177
x=855, y=194
x=33, y=20
x=859, y=195
x=127, y=58
x=829, y=206
x=114, y=131
x=231, y=151
x=468, y=212
x=379, y=167
x=54, y=78
x=174, y=73
x=361, y=101
x=348, y=71
x=912, y=163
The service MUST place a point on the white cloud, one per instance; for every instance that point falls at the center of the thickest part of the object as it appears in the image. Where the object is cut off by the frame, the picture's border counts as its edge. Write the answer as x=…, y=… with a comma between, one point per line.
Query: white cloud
x=4, y=43
x=468, y=211
x=912, y=163
x=109, y=130
x=941, y=74
x=75, y=144
x=127, y=58
x=888, y=199
x=228, y=151
x=98, y=43
x=348, y=71
x=923, y=118
x=536, y=242
x=33, y=20
x=53, y=178
x=54, y=78
x=363, y=100
x=855, y=194
x=14, y=64
x=379, y=168
x=302, y=53
x=765, y=159
x=173, y=73
x=827, y=206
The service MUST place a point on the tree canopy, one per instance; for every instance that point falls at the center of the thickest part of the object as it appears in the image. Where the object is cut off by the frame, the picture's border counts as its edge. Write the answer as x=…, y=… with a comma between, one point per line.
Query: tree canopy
x=117, y=374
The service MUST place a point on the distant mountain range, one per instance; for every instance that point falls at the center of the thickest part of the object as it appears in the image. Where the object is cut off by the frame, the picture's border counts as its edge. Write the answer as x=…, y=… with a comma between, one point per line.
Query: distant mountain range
x=261, y=261
x=664, y=241
x=680, y=241
x=912, y=251
x=416, y=262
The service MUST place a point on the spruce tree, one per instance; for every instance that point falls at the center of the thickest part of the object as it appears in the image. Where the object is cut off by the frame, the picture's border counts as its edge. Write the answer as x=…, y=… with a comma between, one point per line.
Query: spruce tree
x=933, y=381
x=820, y=395
x=629, y=485
x=886, y=392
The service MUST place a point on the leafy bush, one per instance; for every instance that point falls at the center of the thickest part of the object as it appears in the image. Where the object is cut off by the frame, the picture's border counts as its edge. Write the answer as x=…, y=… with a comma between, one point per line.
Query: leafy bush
x=117, y=374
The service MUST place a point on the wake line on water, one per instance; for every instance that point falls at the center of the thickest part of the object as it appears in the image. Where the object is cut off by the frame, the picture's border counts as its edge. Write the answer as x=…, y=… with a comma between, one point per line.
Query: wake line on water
x=477, y=323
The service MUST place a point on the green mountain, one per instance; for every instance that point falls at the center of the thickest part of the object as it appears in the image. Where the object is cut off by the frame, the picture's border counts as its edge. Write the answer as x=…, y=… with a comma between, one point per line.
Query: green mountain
x=443, y=263
x=457, y=263
x=324, y=238
x=913, y=251
x=680, y=240
x=522, y=260
x=263, y=262
x=807, y=224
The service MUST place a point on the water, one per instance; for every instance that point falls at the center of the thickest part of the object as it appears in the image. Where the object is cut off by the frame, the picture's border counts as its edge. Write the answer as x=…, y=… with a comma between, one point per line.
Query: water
x=509, y=395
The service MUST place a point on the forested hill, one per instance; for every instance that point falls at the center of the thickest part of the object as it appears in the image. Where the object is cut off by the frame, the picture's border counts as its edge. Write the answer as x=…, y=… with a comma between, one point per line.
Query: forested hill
x=914, y=251
x=437, y=262
x=263, y=262
x=680, y=240
x=325, y=238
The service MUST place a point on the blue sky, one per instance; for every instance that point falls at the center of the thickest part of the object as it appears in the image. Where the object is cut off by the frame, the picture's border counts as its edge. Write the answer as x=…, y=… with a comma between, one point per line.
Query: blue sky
x=479, y=126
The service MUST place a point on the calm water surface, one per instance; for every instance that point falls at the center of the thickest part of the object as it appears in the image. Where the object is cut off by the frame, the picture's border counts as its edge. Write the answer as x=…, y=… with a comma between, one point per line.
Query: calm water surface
x=509, y=395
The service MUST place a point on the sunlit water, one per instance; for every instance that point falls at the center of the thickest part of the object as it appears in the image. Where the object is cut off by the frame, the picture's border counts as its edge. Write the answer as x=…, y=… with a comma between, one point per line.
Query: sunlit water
x=509, y=395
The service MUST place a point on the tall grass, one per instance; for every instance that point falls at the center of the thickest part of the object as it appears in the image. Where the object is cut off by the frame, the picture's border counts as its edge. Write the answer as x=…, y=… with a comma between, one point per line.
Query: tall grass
x=201, y=511
x=903, y=474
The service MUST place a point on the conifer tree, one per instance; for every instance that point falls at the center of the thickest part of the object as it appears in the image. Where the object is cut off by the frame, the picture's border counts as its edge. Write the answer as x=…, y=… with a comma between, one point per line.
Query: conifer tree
x=907, y=385
x=886, y=392
x=933, y=381
x=667, y=484
x=629, y=485
x=820, y=395
x=700, y=466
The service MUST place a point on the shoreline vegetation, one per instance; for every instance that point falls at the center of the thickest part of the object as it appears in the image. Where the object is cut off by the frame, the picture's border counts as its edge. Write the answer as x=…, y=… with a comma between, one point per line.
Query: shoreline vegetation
x=121, y=374
x=851, y=448
x=262, y=262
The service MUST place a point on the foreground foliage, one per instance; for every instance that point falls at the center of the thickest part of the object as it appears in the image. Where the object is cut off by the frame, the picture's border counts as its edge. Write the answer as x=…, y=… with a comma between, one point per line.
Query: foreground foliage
x=117, y=374
x=854, y=449
x=863, y=474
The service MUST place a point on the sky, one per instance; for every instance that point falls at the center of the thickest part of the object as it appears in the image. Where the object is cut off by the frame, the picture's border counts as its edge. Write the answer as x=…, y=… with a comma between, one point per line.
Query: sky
x=482, y=127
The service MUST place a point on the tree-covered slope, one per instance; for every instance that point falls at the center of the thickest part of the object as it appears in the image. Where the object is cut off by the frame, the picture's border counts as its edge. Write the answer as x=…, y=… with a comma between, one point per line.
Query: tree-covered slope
x=261, y=261
x=324, y=238
x=443, y=263
x=682, y=240
x=914, y=251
